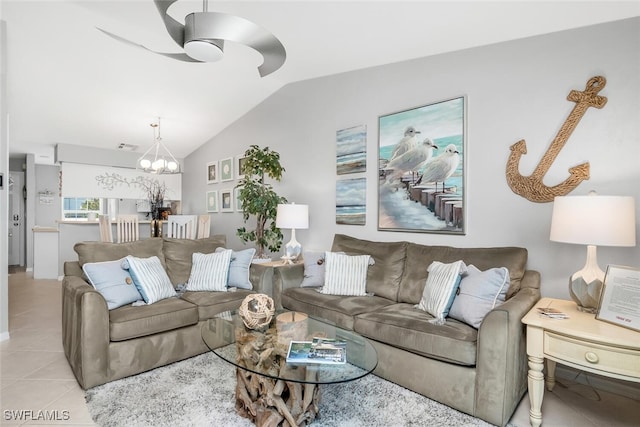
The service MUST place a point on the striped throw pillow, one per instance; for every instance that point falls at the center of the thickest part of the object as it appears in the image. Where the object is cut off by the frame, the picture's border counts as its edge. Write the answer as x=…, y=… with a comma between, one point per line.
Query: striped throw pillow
x=345, y=274
x=440, y=290
x=150, y=278
x=209, y=272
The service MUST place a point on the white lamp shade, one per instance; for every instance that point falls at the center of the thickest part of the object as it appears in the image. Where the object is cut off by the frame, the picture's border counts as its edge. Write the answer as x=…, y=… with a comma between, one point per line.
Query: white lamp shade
x=292, y=216
x=594, y=220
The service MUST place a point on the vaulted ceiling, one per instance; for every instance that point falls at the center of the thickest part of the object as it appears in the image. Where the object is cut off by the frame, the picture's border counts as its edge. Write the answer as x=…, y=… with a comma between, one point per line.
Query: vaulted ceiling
x=69, y=83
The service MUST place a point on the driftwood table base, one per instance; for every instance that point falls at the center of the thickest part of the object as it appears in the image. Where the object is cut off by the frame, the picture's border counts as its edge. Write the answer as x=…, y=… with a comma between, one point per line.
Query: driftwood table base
x=268, y=401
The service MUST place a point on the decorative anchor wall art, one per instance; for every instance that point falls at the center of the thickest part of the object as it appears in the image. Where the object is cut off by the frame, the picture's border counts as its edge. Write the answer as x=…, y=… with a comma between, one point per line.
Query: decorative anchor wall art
x=531, y=187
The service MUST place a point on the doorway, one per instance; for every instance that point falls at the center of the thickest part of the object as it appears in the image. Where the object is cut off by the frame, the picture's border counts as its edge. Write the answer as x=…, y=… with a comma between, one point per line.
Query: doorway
x=16, y=249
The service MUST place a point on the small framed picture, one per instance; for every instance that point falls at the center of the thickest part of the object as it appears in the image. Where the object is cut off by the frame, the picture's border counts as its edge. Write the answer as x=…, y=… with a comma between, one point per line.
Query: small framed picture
x=239, y=166
x=212, y=201
x=236, y=192
x=226, y=201
x=619, y=298
x=226, y=169
x=212, y=172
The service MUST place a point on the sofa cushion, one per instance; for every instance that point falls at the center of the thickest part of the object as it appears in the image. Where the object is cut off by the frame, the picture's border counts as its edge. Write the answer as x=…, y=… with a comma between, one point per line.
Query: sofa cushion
x=345, y=274
x=421, y=256
x=149, y=277
x=406, y=327
x=383, y=278
x=211, y=303
x=104, y=251
x=333, y=308
x=440, y=290
x=479, y=293
x=113, y=282
x=132, y=322
x=209, y=272
x=177, y=253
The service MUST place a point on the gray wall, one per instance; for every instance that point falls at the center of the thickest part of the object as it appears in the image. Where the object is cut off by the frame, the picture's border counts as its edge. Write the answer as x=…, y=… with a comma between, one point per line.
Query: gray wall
x=514, y=90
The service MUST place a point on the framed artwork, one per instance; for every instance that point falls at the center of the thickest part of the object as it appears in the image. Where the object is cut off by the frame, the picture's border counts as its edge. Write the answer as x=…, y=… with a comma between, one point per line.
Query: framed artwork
x=351, y=150
x=351, y=202
x=226, y=201
x=226, y=169
x=619, y=298
x=236, y=192
x=212, y=172
x=239, y=165
x=421, y=171
x=212, y=201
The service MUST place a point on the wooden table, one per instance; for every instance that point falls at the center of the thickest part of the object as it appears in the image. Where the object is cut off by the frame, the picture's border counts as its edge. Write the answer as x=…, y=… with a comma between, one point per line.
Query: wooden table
x=581, y=342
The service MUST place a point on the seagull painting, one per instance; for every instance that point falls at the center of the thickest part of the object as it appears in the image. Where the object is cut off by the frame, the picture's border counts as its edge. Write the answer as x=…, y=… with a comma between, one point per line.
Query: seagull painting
x=407, y=143
x=441, y=167
x=412, y=160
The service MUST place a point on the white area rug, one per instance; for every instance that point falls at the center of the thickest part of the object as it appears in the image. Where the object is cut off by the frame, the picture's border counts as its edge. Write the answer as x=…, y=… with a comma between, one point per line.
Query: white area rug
x=200, y=392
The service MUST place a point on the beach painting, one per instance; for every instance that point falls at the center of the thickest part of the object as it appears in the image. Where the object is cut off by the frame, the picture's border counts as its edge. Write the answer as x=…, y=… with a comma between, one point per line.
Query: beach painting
x=351, y=202
x=421, y=169
x=351, y=150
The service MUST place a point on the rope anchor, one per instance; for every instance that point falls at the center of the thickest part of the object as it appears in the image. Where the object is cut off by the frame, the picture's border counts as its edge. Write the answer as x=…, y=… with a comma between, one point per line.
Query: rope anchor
x=531, y=187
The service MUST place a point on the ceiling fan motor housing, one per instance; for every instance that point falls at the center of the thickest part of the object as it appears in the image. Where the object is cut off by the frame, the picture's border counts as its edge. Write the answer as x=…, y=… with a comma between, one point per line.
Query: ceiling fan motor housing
x=196, y=43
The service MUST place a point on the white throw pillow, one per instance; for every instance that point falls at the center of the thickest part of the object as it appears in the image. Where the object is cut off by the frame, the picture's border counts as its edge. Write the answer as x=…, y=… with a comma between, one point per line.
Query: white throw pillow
x=150, y=278
x=209, y=272
x=345, y=274
x=479, y=293
x=439, y=291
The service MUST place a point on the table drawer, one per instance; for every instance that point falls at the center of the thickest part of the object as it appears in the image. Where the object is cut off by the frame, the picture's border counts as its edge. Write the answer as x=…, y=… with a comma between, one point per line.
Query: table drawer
x=593, y=356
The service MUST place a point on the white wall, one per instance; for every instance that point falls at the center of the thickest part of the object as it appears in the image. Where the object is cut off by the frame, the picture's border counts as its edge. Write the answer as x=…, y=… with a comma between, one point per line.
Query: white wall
x=514, y=90
x=4, y=192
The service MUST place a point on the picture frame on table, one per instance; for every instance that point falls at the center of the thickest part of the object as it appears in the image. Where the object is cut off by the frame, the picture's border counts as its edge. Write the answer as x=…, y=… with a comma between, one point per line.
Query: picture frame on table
x=226, y=169
x=212, y=172
x=212, y=201
x=240, y=159
x=422, y=169
x=226, y=200
x=619, y=296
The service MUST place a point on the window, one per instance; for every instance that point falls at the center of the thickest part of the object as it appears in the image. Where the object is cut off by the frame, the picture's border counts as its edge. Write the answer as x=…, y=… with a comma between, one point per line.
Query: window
x=78, y=208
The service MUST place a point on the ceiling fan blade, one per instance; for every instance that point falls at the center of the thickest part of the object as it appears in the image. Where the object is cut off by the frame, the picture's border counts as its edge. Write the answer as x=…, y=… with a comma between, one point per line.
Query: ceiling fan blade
x=179, y=56
x=213, y=25
x=174, y=28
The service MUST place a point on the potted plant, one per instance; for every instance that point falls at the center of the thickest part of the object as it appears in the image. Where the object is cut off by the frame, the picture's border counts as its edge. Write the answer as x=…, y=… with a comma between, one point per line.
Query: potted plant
x=259, y=199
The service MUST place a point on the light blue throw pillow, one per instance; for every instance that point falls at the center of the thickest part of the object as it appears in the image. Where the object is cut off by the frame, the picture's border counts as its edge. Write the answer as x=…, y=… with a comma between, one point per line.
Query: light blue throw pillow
x=479, y=293
x=150, y=278
x=440, y=290
x=113, y=282
x=239, y=268
x=314, y=268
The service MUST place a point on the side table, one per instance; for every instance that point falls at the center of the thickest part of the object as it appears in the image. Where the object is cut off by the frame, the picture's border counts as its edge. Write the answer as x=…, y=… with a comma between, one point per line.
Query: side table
x=263, y=273
x=581, y=342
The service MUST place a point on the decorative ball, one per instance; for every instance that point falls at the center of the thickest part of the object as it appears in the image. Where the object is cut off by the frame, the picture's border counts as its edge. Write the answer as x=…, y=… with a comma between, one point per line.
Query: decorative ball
x=256, y=311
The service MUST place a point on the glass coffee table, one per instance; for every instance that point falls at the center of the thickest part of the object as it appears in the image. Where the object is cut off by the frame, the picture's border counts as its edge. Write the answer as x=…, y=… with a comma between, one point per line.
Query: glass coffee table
x=268, y=389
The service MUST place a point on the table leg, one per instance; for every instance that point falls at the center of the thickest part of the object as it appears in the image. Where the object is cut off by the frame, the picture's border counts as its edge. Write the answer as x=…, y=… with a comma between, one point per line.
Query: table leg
x=536, y=390
x=551, y=374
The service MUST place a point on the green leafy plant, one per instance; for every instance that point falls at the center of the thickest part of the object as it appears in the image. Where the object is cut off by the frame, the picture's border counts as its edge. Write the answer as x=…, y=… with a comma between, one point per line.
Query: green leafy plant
x=259, y=199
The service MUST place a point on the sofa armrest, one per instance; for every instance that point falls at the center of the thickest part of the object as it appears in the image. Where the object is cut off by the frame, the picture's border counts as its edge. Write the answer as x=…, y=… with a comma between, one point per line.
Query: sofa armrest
x=501, y=365
x=285, y=277
x=85, y=331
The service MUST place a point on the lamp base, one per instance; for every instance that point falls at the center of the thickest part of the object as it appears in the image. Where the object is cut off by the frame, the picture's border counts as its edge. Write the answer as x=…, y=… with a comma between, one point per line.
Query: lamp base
x=586, y=295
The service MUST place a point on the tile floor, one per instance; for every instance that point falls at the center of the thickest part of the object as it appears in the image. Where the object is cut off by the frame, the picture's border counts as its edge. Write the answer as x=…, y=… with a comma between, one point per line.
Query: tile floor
x=35, y=375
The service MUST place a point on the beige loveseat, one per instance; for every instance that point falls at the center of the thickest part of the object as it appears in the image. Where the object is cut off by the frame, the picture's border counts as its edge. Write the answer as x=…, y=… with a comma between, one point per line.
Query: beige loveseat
x=482, y=372
x=103, y=345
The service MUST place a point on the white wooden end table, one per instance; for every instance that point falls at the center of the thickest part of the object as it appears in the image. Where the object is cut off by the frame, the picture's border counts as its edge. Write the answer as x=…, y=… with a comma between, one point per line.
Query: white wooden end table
x=581, y=342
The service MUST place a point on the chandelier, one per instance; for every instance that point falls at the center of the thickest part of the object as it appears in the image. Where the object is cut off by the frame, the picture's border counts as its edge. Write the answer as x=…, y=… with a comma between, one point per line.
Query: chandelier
x=158, y=159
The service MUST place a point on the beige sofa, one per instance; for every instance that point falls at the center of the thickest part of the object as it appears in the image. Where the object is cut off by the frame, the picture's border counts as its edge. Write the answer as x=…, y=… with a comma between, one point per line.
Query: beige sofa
x=482, y=372
x=103, y=345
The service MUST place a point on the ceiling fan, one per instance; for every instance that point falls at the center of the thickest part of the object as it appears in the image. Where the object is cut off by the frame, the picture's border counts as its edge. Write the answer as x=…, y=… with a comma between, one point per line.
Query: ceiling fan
x=203, y=35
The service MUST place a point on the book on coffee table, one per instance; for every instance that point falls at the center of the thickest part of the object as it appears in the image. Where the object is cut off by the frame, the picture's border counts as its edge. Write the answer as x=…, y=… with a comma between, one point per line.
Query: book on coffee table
x=319, y=351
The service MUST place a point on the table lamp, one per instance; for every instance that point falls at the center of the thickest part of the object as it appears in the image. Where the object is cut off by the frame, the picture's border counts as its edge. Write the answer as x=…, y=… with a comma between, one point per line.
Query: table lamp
x=592, y=220
x=294, y=217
